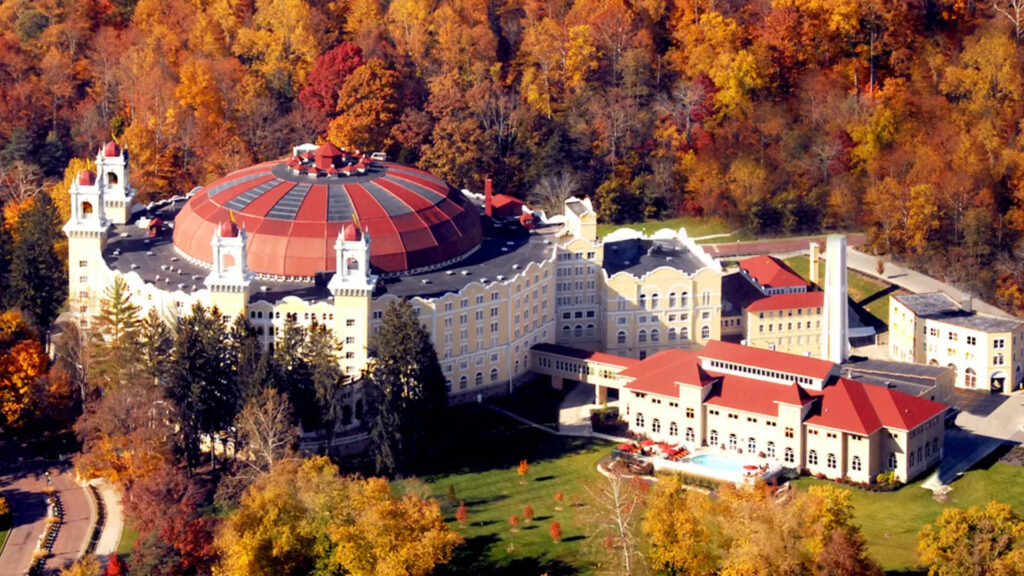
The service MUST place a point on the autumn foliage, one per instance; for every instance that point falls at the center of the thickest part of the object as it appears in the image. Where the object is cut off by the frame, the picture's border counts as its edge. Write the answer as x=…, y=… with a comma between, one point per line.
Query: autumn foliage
x=22, y=362
x=556, y=532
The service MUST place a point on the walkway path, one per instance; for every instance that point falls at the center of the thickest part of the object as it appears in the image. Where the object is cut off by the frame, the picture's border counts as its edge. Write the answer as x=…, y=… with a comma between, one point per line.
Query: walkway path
x=978, y=433
x=778, y=246
x=910, y=280
x=24, y=487
x=110, y=536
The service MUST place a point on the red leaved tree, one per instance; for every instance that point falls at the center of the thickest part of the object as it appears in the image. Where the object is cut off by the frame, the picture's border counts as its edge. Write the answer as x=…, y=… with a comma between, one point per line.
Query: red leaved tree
x=558, y=499
x=523, y=469
x=556, y=531
x=528, y=513
x=327, y=76
x=114, y=566
x=461, y=514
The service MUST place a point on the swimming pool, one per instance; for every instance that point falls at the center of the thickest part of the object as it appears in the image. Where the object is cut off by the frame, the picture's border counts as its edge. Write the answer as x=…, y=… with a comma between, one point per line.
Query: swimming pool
x=719, y=463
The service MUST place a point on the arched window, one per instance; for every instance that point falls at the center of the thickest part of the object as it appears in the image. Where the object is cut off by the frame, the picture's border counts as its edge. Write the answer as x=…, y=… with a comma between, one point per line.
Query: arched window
x=684, y=333
x=970, y=378
x=620, y=338
x=639, y=420
x=713, y=437
x=788, y=456
x=494, y=374
x=919, y=458
x=111, y=178
x=463, y=382
x=769, y=449
x=590, y=331
x=641, y=336
x=642, y=302
x=578, y=331
x=927, y=449
x=346, y=415
x=752, y=445
x=359, y=409
x=655, y=425
x=654, y=301
x=911, y=463
x=684, y=300
x=705, y=332
x=86, y=208
x=733, y=442
x=671, y=299
x=479, y=380
x=689, y=435
x=672, y=335
x=655, y=335
x=830, y=460
x=892, y=460
x=812, y=457
x=448, y=385
x=855, y=464
x=566, y=331
x=673, y=429
x=935, y=446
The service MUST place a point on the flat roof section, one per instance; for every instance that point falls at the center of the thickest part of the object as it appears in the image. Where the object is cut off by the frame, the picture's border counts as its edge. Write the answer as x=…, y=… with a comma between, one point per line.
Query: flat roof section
x=940, y=307
x=638, y=257
x=913, y=379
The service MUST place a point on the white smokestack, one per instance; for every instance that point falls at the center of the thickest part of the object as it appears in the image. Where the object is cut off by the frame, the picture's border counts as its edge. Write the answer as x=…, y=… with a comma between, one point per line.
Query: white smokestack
x=836, y=343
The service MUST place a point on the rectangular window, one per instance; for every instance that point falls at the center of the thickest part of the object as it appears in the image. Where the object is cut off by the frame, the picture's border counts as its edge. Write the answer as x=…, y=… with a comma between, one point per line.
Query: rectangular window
x=83, y=263
x=789, y=432
x=350, y=322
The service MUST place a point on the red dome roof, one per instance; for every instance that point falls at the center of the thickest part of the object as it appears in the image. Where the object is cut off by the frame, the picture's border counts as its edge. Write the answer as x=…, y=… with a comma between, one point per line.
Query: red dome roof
x=86, y=178
x=294, y=214
x=350, y=233
x=111, y=150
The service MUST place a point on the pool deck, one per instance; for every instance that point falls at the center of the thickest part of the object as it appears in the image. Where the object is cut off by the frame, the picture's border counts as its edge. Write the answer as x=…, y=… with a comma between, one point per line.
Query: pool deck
x=686, y=465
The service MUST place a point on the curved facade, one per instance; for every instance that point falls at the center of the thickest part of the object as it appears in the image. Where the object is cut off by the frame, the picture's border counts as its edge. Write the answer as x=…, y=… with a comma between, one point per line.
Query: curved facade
x=293, y=211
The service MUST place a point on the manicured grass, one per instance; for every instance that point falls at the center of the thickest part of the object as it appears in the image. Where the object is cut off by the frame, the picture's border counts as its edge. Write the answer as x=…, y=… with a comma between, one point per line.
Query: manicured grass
x=695, y=227
x=871, y=294
x=891, y=520
x=5, y=528
x=128, y=537
x=482, y=462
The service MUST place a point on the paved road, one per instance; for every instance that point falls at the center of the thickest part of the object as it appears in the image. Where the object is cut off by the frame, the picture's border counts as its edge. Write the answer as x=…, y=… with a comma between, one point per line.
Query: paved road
x=783, y=246
x=24, y=487
x=110, y=536
x=910, y=280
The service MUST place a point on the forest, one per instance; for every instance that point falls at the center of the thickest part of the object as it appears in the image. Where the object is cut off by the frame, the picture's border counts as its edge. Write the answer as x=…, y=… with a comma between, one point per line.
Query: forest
x=900, y=118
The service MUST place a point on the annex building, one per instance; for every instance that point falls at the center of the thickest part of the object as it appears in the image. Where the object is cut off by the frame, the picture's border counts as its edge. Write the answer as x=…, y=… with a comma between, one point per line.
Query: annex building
x=797, y=411
x=333, y=236
x=984, y=352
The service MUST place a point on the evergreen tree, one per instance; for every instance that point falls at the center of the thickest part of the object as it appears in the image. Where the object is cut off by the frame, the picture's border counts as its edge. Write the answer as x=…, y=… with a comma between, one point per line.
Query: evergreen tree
x=405, y=389
x=116, y=344
x=254, y=366
x=37, y=282
x=294, y=372
x=155, y=342
x=321, y=356
x=199, y=378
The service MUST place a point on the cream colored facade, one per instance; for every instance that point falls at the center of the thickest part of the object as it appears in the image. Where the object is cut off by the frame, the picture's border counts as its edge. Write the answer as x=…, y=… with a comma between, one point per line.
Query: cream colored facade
x=986, y=353
x=482, y=331
x=793, y=330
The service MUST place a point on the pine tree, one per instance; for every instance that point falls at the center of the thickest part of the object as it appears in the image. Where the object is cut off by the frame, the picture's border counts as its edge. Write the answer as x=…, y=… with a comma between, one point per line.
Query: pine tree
x=406, y=393
x=199, y=378
x=37, y=281
x=294, y=373
x=115, y=338
x=321, y=356
x=155, y=341
x=254, y=365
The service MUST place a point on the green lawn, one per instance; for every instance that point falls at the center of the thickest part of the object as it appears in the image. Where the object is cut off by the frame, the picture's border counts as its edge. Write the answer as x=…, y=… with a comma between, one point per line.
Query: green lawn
x=871, y=294
x=128, y=537
x=483, y=472
x=5, y=528
x=891, y=520
x=695, y=227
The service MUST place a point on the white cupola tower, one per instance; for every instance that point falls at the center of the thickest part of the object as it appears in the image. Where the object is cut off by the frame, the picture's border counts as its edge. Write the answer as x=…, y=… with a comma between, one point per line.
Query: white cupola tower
x=352, y=261
x=88, y=214
x=86, y=230
x=112, y=169
x=352, y=288
x=229, y=278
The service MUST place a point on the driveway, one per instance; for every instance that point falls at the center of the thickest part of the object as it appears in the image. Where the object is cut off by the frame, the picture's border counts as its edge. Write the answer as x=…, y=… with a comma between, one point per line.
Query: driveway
x=24, y=486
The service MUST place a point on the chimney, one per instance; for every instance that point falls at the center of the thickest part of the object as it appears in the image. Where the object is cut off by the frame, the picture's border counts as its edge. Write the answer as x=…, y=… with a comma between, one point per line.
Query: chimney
x=815, y=257
x=488, y=201
x=966, y=304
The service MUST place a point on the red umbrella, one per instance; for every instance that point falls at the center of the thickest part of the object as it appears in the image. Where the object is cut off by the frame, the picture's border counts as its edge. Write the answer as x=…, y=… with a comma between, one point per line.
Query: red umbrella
x=626, y=447
x=750, y=467
x=648, y=443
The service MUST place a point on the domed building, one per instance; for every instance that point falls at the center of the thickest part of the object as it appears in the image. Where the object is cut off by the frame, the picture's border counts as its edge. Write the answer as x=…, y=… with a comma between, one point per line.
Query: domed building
x=333, y=236
x=294, y=211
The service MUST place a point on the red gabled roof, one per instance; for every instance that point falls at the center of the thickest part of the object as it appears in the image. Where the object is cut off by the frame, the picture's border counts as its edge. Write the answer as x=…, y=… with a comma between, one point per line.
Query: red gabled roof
x=901, y=410
x=500, y=200
x=664, y=372
x=788, y=301
x=767, y=359
x=757, y=396
x=771, y=272
x=580, y=354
